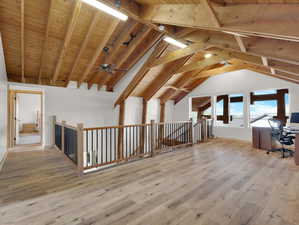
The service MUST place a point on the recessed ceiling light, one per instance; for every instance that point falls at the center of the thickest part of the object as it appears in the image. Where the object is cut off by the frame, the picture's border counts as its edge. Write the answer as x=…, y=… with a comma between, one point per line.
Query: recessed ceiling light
x=208, y=55
x=161, y=27
x=175, y=42
x=106, y=9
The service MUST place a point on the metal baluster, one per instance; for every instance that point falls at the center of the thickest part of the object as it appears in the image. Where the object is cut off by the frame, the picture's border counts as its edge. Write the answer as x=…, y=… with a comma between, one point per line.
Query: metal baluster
x=110, y=147
x=115, y=150
x=97, y=148
x=102, y=158
x=106, y=141
x=87, y=150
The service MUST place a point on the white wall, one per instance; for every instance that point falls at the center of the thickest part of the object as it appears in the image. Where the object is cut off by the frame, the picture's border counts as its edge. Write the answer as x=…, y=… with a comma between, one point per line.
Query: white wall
x=169, y=111
x=153, y=110
x=243, y=82
x=3, y=108
x=133, y=110
x=92, y=108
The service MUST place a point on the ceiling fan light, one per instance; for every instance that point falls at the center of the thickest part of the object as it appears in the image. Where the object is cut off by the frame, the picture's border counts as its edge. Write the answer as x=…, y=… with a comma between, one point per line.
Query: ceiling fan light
x=107, y=9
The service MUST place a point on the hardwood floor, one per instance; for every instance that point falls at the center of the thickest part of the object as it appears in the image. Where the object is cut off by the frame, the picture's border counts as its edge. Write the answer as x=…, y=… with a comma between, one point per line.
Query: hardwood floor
x=221, y=182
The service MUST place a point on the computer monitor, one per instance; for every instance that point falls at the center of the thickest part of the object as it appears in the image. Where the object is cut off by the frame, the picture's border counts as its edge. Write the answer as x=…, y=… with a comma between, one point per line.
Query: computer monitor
x=295, y=117
x=294, y=121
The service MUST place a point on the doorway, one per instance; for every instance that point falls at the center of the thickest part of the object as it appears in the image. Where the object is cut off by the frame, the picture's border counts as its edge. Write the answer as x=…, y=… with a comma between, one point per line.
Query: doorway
x=25, y=118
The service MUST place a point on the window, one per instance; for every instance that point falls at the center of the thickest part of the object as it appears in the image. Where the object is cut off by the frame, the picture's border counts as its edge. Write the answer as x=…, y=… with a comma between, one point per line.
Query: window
x=229, y=110
x=219, y=110
x=265, y=92
x=261, y=111
x=268, y=104
x=201, y=107
x=236, y=106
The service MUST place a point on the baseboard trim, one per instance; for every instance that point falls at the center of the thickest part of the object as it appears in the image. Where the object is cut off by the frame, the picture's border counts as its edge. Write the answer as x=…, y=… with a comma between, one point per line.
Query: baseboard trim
x=3, y=160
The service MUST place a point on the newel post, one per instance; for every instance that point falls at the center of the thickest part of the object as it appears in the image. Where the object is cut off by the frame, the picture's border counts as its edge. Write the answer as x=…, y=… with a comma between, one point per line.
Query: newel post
x=152, y=138
x=53, y=130
x=80, y=149
x=62, y=135
x=205, y=130
x=191, y=130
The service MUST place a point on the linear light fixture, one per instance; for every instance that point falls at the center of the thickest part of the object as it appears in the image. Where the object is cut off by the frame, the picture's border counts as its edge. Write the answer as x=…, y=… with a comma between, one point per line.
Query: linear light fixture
x=174, y=42
x=106, y=9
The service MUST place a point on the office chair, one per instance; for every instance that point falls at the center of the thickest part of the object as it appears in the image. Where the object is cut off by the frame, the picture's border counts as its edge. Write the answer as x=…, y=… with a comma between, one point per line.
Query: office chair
x=284, y=138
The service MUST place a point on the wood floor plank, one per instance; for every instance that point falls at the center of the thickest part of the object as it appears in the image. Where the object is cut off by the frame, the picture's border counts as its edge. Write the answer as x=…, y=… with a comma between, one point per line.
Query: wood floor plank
x=221, y=182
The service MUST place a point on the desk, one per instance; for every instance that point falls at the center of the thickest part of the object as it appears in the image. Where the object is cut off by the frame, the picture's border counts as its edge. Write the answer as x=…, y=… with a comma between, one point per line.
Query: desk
x=296, y=155
x=262, y=139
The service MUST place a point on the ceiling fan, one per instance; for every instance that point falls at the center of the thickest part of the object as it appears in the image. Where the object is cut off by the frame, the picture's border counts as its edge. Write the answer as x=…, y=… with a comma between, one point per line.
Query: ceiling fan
x=108, y=67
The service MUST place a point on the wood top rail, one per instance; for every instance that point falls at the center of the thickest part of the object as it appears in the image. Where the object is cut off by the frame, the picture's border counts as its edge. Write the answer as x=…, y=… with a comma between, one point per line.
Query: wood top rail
x=66, y=125
x=133, y=125
x=113, y=127
x=176, y=122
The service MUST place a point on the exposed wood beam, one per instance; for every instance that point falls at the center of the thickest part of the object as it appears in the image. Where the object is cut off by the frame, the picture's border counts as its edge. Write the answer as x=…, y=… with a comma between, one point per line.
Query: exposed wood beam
x=167, y=72
x=200, y=65
x=45, y=42
x=102, y=76
x=22, y=42
x=193, y=77
x=176, y=88
x=265, y=61
x=254, y=60
x=34, y=80
x=184, y=31
x=159, y=49
x=83, y=47
x=162, y=112
x=138, y=53
x=281, y=75
x=194, y=85
x=279, y=65
x=271, y=48
x=275, y=65
x=99, y=50
x=121, y=118
x=129, y=50
x=168, y=94
x=67, y=39
x=264, y=18
x=263, y=69
x=240, y=43
x=177, y=54
x=121, y=122
x=221, y=70
x=256, y=68
x=211, y=11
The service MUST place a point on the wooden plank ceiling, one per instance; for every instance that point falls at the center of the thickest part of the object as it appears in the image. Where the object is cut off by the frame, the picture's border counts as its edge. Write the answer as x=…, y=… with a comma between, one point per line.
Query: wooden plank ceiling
x=254, y=35
x=54, y=42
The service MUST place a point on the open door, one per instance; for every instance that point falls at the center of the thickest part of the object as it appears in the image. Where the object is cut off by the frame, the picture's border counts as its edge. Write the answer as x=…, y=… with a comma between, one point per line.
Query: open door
x=25, y=118
x=17, y=121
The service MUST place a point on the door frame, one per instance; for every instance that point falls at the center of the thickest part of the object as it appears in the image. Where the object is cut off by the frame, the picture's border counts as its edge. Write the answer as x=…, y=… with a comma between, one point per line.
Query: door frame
x=11, y=115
